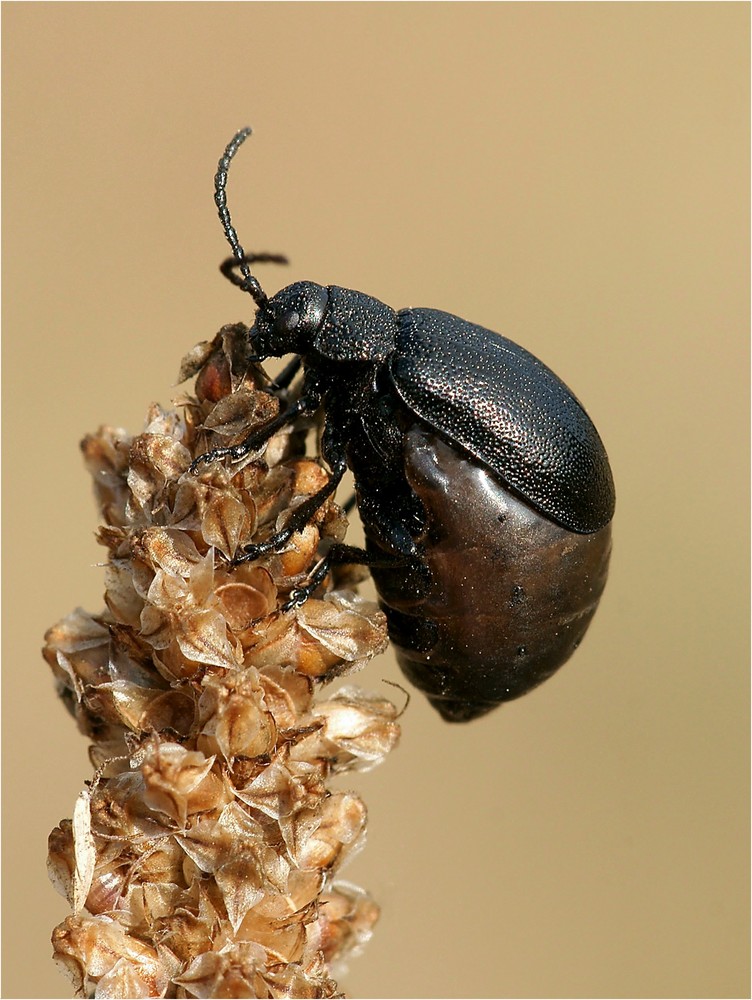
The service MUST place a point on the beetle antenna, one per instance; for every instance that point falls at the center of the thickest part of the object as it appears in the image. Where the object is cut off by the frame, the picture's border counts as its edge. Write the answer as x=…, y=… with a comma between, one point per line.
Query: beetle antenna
x=239, y=259
x=231, y=264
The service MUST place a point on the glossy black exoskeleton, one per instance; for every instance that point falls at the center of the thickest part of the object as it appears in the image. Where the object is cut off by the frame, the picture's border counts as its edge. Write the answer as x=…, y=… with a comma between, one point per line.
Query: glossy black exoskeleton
x=483, y=487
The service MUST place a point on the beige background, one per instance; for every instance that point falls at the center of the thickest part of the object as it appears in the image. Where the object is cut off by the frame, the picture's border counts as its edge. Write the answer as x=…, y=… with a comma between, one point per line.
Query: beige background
x=572, y=175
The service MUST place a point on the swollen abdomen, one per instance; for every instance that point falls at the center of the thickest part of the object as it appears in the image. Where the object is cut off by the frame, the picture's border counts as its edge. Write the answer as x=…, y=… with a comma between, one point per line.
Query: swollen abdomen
x=507, y=597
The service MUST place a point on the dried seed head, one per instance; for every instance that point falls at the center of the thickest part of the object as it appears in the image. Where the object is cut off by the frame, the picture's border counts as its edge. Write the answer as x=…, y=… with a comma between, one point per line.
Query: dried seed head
x=200, y=861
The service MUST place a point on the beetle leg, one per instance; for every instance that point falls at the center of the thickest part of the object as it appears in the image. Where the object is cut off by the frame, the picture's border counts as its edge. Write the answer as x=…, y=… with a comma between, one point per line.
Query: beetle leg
x=337, y=555
x=285, y=377
x=296, y=522
x=306, y=404
x=349, y=504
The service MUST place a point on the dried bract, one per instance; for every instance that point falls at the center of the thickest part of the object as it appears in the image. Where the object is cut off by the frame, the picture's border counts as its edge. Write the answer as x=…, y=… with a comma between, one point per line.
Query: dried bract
x=201, y=861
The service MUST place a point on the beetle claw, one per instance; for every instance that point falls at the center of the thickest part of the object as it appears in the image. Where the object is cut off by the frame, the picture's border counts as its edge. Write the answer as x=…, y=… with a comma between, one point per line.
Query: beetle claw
x=296, y=599
x=207, y=458
x=249, y=554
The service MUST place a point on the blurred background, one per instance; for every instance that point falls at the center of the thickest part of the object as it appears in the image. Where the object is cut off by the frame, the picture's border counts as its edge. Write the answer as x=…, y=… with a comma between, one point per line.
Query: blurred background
x=574, y=176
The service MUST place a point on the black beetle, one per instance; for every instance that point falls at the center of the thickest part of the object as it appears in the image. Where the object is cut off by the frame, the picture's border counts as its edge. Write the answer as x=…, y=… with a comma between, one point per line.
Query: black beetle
x=483, y=487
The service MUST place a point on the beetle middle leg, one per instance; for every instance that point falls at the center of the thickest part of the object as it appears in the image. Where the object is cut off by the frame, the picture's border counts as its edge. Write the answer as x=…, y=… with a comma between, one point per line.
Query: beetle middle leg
x=297, y=520
x=333, y=451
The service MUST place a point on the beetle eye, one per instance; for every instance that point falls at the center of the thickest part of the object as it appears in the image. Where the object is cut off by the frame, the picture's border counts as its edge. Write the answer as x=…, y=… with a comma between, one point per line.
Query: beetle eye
x=286, y=322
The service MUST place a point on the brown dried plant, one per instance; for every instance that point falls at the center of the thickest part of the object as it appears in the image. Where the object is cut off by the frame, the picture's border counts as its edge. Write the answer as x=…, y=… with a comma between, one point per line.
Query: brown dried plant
x=201, y=858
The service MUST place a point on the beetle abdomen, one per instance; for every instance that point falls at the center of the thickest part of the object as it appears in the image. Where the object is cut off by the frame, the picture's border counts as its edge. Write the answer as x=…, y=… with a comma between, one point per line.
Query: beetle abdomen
x=509, y=594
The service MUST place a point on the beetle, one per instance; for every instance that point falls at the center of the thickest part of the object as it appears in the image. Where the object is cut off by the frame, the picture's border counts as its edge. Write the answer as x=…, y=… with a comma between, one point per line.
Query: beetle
x=484, y=489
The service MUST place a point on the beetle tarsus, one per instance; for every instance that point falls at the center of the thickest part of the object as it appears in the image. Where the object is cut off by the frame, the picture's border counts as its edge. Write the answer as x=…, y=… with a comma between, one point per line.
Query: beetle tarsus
x=234, y=452
x=337, y=555
x=254, y=441
x=298, y=520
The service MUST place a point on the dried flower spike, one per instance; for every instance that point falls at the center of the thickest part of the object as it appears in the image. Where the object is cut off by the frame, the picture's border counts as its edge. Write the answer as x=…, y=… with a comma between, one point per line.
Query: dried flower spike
x=201, y=860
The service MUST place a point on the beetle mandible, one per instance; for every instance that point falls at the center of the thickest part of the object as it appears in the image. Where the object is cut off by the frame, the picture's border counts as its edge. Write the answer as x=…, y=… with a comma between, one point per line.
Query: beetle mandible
x=484, y=489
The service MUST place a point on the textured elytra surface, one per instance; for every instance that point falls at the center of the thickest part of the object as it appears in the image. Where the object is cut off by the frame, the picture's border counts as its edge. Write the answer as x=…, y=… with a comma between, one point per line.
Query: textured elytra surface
x=507, y=409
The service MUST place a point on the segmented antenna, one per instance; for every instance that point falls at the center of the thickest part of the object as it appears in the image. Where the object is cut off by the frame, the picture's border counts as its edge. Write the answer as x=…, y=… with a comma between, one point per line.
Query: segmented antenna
x=241, y=260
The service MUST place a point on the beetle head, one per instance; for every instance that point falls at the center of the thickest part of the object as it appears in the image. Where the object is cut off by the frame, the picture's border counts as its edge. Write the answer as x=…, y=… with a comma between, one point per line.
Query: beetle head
x=287, y=323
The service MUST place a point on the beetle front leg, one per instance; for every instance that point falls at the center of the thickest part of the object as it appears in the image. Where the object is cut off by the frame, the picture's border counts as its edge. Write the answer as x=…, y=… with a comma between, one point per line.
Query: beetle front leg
x=306, y=404
x=286, y=376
